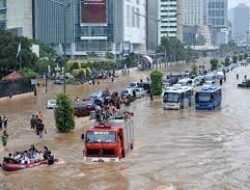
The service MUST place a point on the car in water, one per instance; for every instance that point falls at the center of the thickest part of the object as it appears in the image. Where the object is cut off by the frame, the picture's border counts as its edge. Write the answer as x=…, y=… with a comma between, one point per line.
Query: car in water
x=146, y=86
x=244, y=84
x=51, y=104
x=186, y=82
x=199, y=80
x=59, y=82
x=140, y=92
x=84, y=108
x=134, y=85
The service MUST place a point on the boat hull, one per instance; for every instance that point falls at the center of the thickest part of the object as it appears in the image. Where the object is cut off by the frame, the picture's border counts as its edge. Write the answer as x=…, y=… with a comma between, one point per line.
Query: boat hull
x=15, y=167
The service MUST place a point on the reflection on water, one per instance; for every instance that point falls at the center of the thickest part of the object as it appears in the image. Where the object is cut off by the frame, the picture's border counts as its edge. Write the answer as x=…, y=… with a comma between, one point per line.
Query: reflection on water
x=184, y=149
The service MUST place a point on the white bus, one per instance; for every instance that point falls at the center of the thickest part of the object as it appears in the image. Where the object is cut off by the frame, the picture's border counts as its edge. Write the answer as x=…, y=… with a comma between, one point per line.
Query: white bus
x=178, y=97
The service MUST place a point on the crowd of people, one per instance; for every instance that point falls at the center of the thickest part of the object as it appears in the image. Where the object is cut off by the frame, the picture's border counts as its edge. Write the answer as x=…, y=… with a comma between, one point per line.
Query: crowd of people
x=30, y=156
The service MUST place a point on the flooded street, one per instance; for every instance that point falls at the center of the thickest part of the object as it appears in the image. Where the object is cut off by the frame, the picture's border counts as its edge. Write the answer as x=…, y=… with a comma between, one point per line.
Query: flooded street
x=185, y=149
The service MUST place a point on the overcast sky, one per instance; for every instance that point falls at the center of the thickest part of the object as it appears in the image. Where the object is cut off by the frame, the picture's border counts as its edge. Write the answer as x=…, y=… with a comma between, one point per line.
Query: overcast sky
x=233, y=3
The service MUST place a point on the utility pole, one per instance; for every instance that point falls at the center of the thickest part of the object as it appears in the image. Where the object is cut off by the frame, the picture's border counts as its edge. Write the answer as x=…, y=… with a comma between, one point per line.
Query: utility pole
x=65, y=5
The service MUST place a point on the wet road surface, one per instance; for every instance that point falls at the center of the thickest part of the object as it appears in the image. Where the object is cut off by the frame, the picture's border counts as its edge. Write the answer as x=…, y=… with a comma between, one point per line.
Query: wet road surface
x=184, y=149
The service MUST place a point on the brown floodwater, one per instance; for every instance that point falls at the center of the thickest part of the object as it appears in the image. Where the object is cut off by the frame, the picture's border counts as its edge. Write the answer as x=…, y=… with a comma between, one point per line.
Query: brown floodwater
x=184, y=149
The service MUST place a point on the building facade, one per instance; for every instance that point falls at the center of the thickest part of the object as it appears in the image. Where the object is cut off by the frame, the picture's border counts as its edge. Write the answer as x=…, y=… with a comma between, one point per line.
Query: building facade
x=152, y=20
x=3, y=9
x=91, y=26
x=19, y=17
x=193, y=12
x=170, y=24
x=215, y=16
x=240, y=24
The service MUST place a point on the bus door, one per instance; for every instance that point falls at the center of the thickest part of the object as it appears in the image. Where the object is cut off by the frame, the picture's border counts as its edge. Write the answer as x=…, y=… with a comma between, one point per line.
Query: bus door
x=187, y=99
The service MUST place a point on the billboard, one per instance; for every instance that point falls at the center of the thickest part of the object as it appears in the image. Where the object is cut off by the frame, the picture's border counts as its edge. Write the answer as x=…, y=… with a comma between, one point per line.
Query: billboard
x=93, y=11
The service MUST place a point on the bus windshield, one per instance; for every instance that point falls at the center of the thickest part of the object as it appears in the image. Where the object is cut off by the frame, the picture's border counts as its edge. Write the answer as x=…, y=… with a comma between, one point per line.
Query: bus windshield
x=101, y=137
x=171, y=98
x=203, y=97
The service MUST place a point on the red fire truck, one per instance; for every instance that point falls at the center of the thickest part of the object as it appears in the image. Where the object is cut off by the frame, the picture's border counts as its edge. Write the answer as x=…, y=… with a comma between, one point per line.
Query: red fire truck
x=109, y=141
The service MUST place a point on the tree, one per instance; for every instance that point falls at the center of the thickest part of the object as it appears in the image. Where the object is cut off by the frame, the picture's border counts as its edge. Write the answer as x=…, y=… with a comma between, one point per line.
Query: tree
x=173, y=46
x=70, y=66
x=214, y=64
x=64, y=114
x=130, y=60
x=109, y=55
x=241, y=57
x=43, y=63
x=227, y=62
x=28, y=73
x=200, y=40
x=45, y=50
x=88, y=73
x=194, y=70
x=156, y=78
x=235, y=58
x=245, y=55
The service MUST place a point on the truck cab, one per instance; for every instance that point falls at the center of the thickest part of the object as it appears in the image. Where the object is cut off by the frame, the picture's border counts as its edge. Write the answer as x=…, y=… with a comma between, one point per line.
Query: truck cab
x=110, y=141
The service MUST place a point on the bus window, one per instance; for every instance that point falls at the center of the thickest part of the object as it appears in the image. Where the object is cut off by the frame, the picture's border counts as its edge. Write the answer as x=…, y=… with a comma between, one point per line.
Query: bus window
x=171, y=97
x=203, y=97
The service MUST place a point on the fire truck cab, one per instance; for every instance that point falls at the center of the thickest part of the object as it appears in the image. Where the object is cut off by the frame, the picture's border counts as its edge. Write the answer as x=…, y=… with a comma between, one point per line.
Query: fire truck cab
x=109, y=141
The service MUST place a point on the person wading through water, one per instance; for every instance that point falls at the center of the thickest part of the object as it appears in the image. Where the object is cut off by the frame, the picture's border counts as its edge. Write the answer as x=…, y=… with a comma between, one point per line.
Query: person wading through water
x=40, y=128
x=33, y=122
x=5, y=122
x=5, y=137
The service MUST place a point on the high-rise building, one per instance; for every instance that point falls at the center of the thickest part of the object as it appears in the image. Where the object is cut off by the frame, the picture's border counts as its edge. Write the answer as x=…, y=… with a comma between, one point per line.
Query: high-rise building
x=193, y=12
x=240, y=24
x=164, y=19
x=19, y=17
x=152, y=18
x=3, y=9
x=92, y=26
x=215, y=16
x=170, y=24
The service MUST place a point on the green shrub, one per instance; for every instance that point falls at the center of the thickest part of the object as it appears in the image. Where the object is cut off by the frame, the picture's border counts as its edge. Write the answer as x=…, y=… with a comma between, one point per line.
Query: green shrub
x=88, y=73
x=42, y=65
x=241, y=57
x=194, y=71
x=75, y=72
x=227, y=62
x=70, y=66
x=214, y=64
x=235, y=58
x=245, y=55
x=156, y=78
x=64, y=114
x=28, y=73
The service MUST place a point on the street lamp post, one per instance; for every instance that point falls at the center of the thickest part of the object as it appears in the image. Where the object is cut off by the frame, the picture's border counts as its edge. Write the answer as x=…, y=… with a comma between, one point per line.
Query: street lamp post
x=65, y=5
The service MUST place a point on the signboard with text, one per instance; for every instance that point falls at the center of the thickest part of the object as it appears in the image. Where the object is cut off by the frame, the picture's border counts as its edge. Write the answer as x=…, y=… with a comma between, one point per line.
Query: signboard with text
x=93, y=11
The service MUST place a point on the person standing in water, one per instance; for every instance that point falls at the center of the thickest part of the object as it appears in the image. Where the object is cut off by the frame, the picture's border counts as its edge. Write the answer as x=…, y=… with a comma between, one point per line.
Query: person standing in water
x=5, y=137
x=5, y=122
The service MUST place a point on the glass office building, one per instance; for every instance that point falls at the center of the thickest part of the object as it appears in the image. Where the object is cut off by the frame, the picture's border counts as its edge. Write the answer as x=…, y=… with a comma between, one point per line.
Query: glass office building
x=3, y=14
x=86, y=31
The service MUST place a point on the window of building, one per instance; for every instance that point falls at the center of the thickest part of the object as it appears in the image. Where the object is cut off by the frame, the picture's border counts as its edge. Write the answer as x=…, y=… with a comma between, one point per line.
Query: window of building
x=133, y=16
x=137, y=18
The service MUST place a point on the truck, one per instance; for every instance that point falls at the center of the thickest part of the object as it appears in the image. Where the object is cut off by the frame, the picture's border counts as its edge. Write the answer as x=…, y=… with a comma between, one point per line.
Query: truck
x=109, y=141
